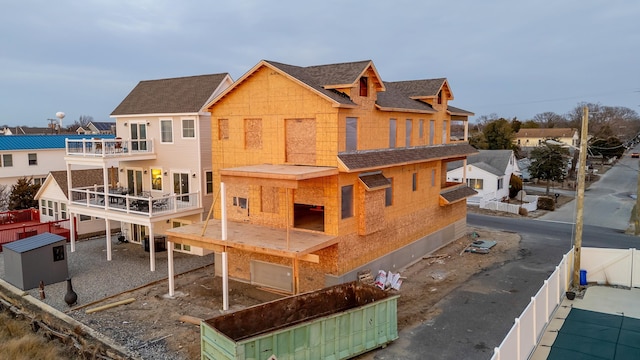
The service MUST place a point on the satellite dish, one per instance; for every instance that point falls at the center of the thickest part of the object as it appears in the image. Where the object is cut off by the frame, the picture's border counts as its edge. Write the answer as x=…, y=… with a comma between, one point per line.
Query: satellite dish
x=60, y=115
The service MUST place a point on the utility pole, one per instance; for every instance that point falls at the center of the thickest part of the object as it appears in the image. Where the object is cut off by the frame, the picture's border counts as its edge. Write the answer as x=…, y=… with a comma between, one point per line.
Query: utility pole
x=636, y=221
x=580, y=202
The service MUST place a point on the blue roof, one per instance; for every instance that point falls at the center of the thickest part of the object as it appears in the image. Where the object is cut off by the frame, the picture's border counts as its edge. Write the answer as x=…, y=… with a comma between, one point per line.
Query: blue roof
x=34, y=142
x=33, y=242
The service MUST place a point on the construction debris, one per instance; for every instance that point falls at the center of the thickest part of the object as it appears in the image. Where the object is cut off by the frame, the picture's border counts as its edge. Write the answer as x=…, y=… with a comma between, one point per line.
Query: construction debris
x=386, y=281
x=480, y=246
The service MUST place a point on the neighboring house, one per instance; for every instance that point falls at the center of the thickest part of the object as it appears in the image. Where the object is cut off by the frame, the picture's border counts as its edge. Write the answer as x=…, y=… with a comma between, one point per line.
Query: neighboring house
x=163, y=156
x=535, y=137
x=488, y=173
x=34, y=156
x=100, y=127
x=53, y=199
x=325, y=171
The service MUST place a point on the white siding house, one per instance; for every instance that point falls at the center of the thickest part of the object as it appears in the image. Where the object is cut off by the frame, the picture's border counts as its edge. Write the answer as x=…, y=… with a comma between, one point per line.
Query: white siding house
x=488, y=172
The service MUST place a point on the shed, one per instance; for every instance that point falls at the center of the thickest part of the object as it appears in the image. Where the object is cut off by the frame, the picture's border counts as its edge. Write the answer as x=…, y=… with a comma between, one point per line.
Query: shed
x=37, y=258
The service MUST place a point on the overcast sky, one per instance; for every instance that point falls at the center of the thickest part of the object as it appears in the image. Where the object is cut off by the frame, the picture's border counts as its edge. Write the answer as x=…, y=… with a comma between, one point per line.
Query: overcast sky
x=504, y=57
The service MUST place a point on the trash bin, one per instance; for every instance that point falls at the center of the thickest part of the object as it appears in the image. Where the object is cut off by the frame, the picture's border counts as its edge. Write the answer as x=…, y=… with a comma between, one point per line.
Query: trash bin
x=583, y=277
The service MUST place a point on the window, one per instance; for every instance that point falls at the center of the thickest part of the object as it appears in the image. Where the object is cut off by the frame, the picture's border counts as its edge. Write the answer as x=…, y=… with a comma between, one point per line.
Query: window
x=209, y=181
x=433, y=177
x=364, y=88
x=444, y=132
x=166, y=131
x=47, y=207
x=223, y=129
x=253, y=134
x=432, y=130
x=475, y=184
x=33, y=159
x=63, y=211
x=50, y=207
x=388, y=194
x=58, y=253
x=392, y=133
x=440, y=97
x=500, y=183
x=85, y=217
x=188, y=128
x=421, y=130
x=414, y=185
x=408, y=131
x=7, y=160
x=240, y=202
x=38, y=180
x=346, y=205
x=156, y=179
x=351, y=143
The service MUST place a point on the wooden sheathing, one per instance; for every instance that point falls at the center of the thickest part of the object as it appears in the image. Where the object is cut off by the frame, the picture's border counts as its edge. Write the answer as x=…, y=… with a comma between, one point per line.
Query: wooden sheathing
x=371, y=217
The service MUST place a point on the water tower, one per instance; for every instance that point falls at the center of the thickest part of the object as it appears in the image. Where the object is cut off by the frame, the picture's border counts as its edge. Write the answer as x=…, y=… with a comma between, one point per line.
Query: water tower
x=60, y=116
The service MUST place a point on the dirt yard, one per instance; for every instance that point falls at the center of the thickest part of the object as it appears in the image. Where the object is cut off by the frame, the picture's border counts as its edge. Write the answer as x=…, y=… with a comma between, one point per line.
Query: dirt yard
x=153, y=320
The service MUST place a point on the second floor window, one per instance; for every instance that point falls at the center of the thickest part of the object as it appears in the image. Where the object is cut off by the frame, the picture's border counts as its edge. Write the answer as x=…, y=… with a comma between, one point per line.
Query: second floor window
x=166, y=131
x=33, y=159
x=7, y=160
x=392, y=133
x=188, y=128
x=346, y=205
x=351, y=143
x=388, y=194
x=209, y=181
x=408, y=132
x=364, y=86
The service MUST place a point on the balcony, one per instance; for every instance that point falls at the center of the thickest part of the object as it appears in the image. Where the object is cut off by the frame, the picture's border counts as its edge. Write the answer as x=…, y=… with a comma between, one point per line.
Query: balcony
x=116, y=149
x=118, y=202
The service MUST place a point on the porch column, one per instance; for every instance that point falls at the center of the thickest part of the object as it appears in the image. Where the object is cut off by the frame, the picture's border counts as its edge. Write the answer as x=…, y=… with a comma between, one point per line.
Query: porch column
x=170, y=268
x=225, y=270
x=105, y=182
x=107, y=225
x=152, y=250
x=72, y=231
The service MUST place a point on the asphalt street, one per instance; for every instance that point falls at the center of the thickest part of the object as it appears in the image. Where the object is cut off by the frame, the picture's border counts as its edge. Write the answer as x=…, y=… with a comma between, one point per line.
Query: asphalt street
x=476, y=316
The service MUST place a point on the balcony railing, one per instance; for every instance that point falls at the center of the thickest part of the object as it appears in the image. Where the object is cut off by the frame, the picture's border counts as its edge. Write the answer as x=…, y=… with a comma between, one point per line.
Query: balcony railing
x=108, y=147
x=119, y=200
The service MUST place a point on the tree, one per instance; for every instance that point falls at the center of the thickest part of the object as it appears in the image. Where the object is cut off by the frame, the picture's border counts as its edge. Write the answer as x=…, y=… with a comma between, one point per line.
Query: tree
x=499, y=135
x=4, y=197
x=82, y=121
x=608, y=148
x=22, y=194
x=549, y=119
x=548, y=163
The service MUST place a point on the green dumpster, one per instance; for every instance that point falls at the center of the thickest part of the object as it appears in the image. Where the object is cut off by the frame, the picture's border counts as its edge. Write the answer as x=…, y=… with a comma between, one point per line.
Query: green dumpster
x=338, y=322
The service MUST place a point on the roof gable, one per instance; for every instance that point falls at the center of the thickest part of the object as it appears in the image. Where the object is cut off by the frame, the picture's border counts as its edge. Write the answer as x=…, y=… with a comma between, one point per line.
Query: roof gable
x=174, y=95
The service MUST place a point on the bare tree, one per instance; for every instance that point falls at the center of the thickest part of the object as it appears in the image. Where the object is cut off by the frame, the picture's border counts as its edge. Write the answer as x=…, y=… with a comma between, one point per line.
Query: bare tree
x=82, y=121
x=4, y=197
x=549, y=119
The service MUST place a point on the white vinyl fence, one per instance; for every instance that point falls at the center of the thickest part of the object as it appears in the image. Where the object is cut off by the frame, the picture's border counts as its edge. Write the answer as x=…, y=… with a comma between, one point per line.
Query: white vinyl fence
x=603, y=266
x=530, y=202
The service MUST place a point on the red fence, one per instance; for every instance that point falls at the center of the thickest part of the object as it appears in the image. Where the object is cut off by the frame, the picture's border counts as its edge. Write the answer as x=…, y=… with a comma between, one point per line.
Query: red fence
x=16, y=225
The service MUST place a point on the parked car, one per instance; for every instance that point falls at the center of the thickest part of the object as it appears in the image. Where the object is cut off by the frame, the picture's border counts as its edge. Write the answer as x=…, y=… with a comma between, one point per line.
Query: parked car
x=635, y=155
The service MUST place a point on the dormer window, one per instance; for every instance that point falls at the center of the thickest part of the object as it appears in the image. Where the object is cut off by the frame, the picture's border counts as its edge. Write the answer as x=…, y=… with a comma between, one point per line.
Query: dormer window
x=364, y=88
x=440, y=97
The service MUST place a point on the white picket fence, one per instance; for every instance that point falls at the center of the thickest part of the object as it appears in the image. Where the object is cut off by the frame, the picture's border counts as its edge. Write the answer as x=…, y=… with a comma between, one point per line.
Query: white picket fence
x=603, y=266
x=530, y=202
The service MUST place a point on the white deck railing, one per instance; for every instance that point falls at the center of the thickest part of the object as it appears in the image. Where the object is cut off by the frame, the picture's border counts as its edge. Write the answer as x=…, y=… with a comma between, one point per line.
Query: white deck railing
x=108, y=147
x=142, y=204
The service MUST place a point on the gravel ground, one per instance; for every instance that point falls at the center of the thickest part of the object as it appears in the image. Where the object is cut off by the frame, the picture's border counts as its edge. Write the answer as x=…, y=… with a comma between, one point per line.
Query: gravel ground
x=94, y=278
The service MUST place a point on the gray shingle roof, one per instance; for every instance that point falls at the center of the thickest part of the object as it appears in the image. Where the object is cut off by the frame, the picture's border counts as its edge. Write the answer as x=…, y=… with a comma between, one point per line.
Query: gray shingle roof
x=322, y=76
x=493, y=161
x=398, y=94
x=377, y=159
x=458, y=193
x=33, y=242
x=81, y=178
x=375, y=181
x=176, y=95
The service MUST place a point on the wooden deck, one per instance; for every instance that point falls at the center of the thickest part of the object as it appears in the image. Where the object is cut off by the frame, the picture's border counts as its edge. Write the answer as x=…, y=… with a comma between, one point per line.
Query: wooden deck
x=296, y=244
